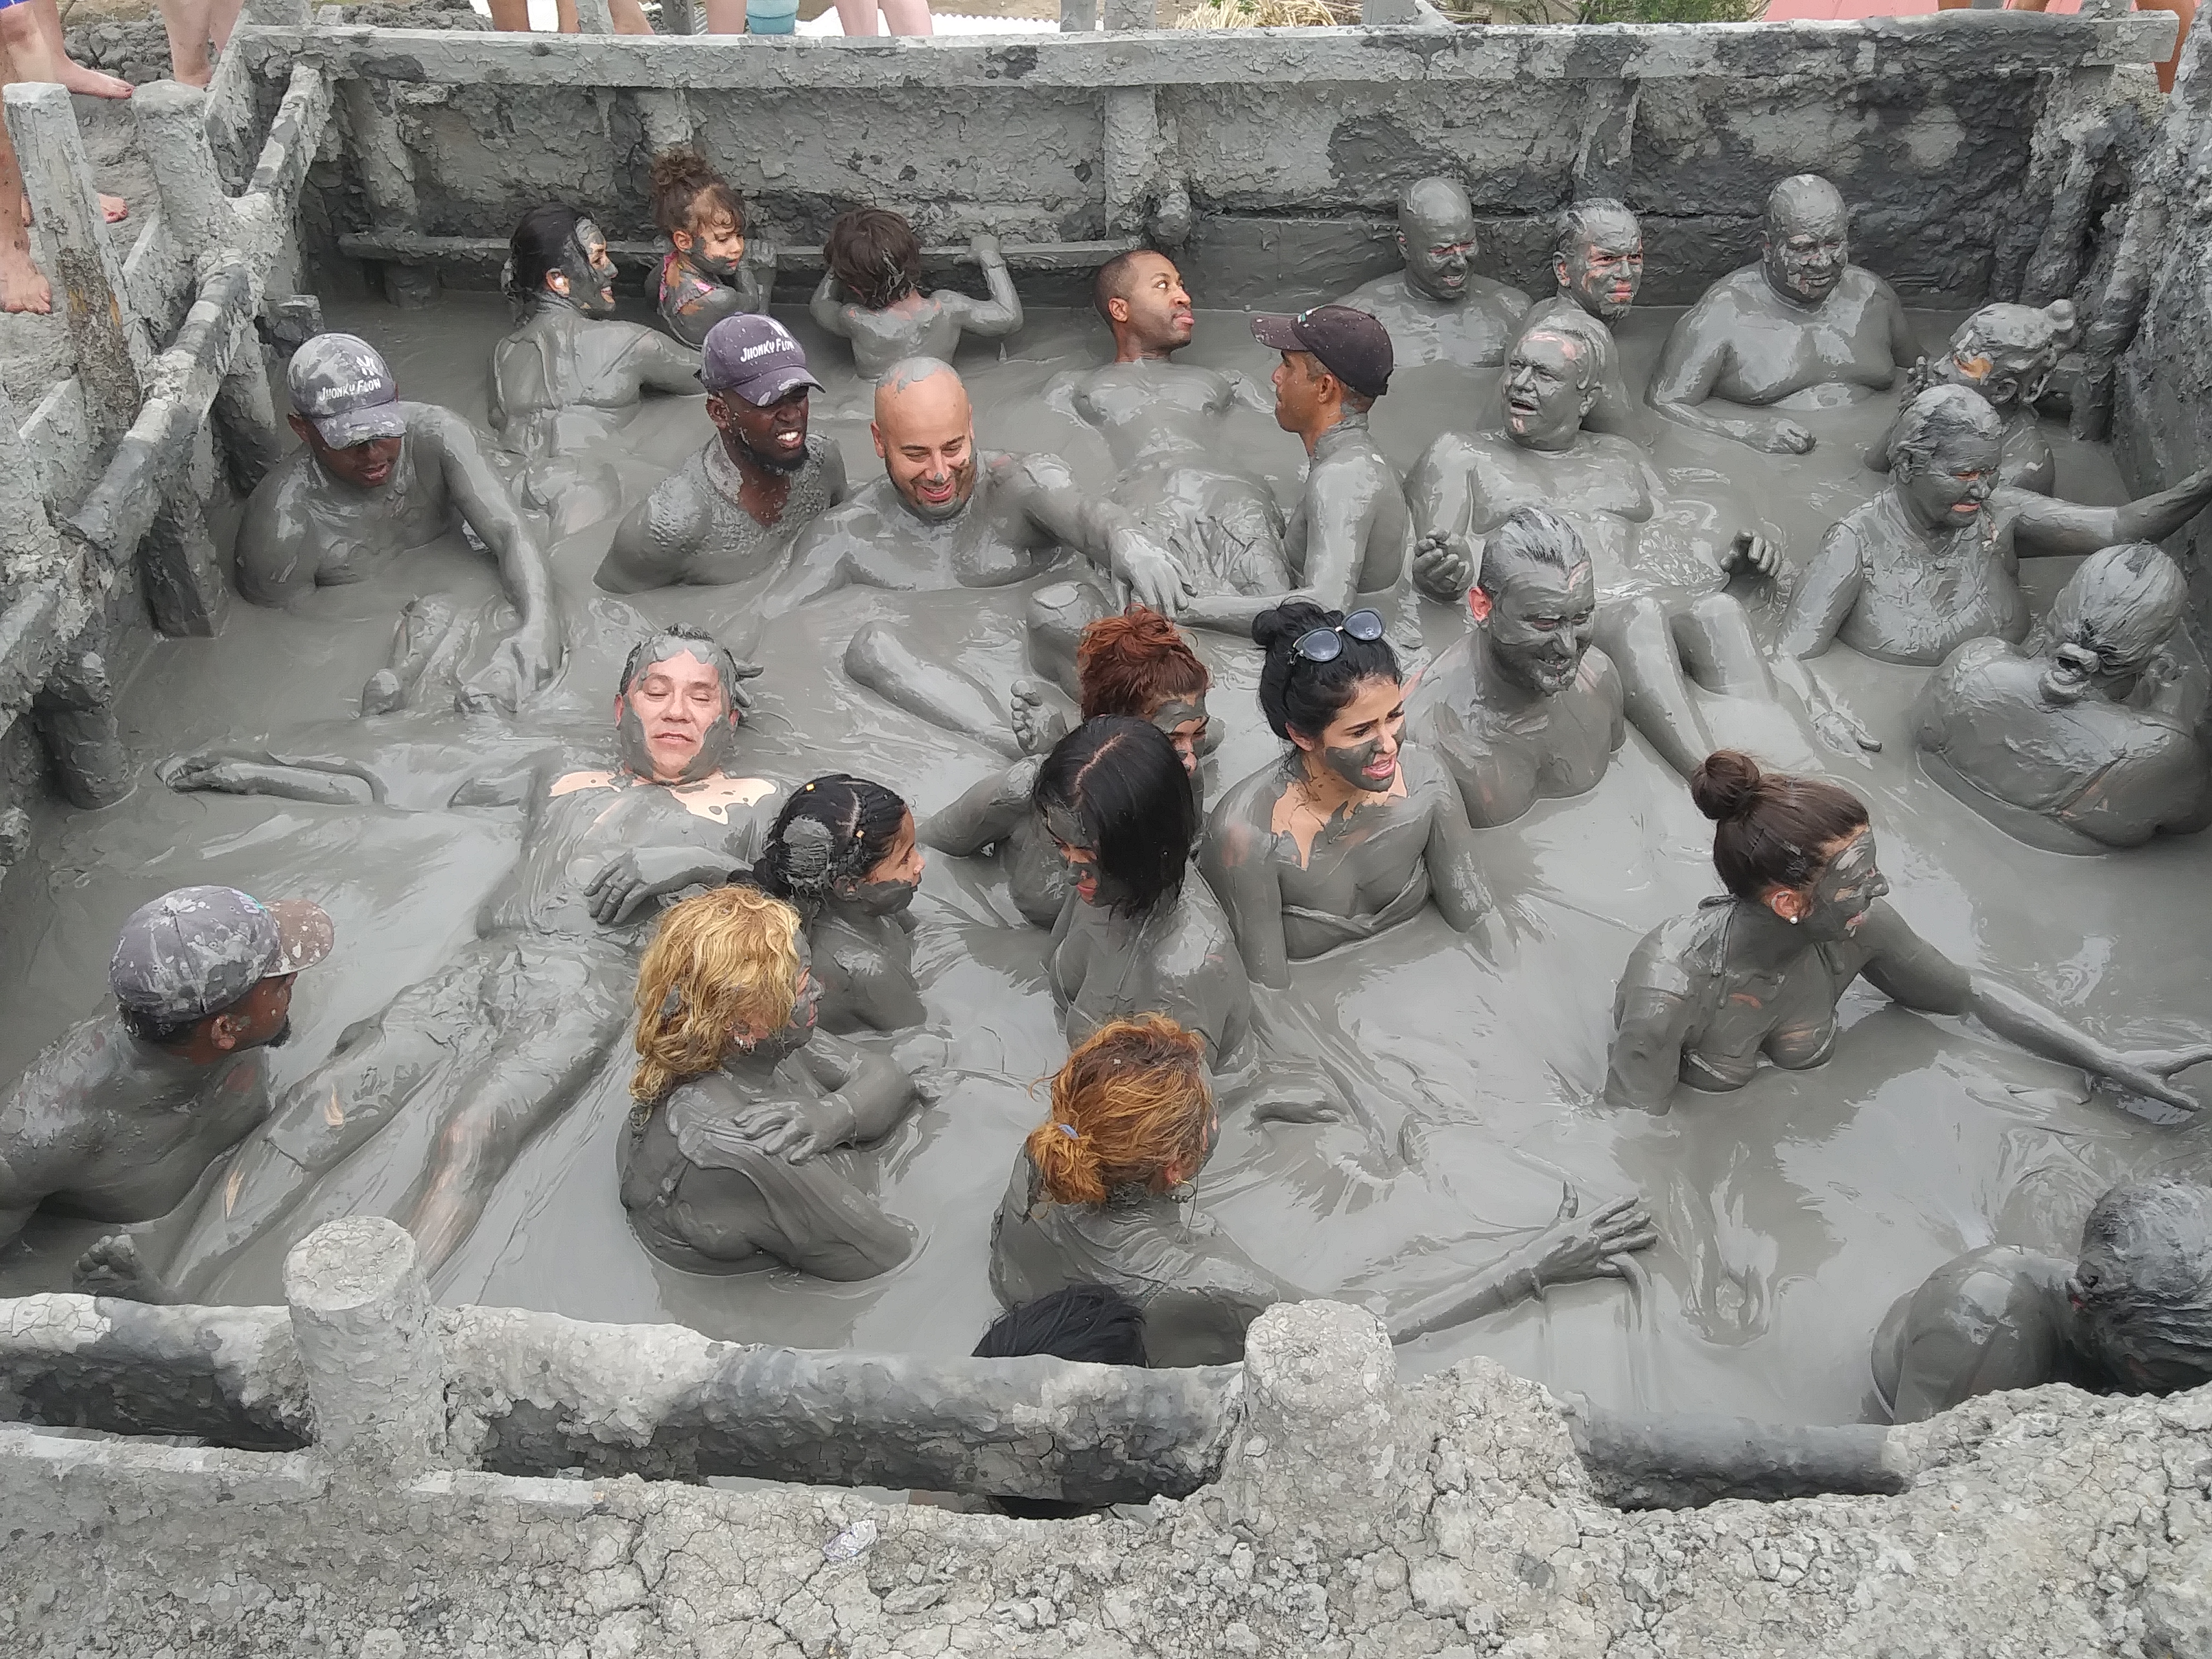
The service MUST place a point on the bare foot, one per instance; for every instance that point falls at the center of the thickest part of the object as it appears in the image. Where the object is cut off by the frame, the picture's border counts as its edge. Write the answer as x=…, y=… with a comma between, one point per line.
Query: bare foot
x=22, y=284
x=112, y=208
x=112, y=1266
x=94, y=84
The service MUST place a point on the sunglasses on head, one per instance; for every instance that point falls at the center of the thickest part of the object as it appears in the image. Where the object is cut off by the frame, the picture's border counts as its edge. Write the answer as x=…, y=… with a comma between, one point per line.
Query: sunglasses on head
x=1326, y=644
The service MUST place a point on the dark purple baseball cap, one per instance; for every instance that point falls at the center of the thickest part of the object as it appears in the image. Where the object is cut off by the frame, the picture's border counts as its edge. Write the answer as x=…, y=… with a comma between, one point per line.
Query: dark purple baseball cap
x=754, y=357
x=1350, y=344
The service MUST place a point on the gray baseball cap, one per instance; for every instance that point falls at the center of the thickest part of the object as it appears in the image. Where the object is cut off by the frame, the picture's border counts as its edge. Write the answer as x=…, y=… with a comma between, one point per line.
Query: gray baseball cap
x=341, y=383
x=194, y=951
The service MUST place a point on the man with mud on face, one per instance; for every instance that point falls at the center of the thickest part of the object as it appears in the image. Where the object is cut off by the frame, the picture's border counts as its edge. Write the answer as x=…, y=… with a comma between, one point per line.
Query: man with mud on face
x=1167, y=425
x=946, y=514
x=117, y=1118
x=378, y=477
x=2132, y=1315
x=1802, y=320
x=507, y=1036
x=2088, y=738
x=727, y=514
x=1523, y=706
x=1597, y=260
x=1437, y=309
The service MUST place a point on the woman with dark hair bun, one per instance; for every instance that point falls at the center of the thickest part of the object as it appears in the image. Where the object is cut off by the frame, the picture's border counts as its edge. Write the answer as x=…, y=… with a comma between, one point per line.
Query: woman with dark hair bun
x=1136, y=934
x=1759, y=968
x=1099, y=1195
x=569, y=376
x=1349, y=833
x=842, y=854
x=871, y=293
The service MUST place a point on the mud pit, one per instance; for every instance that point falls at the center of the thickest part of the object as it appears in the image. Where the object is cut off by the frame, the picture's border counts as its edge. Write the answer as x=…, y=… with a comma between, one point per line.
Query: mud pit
x=1791, y=1213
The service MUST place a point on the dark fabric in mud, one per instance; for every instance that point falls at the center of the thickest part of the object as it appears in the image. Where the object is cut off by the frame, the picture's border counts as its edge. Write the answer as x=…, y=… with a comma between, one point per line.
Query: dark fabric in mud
x=693, y=529
x=1199, y=1292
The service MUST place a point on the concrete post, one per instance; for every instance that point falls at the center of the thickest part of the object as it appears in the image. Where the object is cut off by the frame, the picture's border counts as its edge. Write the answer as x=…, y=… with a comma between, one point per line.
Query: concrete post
x=178, y=569
x=594, y=17
x=1388, y=11
x=1077, y=16
x=1131, y=14
x=173, y=125
x=75, y=715
x=1132, y=146
x=30, y=547
x=679, y=17
x=387, y=179
x=86, y=276
x=373, y=1351
x=1325, y=1447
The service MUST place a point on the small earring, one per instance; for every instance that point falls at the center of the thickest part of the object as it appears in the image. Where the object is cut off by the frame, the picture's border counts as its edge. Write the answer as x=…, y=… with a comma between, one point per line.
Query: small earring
x=1794, y=921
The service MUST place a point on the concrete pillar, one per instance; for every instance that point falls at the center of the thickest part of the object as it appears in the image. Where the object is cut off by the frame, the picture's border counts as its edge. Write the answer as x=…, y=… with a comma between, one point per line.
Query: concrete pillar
x=679, y=17
x=172, y=121
x=1077, y=16
x=371, y=1346
x=1325, y=1449
x=1605, y=155
x=29, y=545
x=86, y=276
x=180, y=571
x=387, y=179
x=1132, y=14
x=1388, y=11
x=594, y=17
x=75, y=714
x=1132, y=145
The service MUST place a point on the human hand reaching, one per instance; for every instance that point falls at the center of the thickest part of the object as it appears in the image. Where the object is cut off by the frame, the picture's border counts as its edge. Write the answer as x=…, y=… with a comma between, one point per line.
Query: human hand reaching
x=1577, y=1247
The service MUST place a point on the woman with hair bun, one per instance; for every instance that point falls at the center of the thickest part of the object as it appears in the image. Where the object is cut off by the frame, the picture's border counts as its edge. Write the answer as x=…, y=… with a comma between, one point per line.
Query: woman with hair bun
x=1348, y=834
x=732, y=1161
x=1759, y=968
x=1137, y=933
x=570, y=375
x=1136, y=664
x=842, y=854
x=1099, y=1195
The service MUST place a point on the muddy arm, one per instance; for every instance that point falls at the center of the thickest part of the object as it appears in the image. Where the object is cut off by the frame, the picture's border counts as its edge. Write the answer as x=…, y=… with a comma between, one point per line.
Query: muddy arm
x=827, y=307
x=1645, y=1062
x=486, y=506
x=1235, y=860
x=324, y=782
x=870, y=1096
x=663, y=363
x=1573, y=1248
x=1337, y=525
x=1824, y=598
x=1002, y=312
x=1688, y=371
x=984, y=815
x=1455, y=867
x=1101, y=530
x=1443, y=492
x=2044, y=525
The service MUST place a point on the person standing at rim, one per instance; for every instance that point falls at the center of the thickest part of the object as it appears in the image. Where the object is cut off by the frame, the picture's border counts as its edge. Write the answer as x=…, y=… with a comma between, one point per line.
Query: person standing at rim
x=1101, y=1194
x=379, y=477
x=1350, y=542
x=870, y=294
x=118, y=1118
x=728, y=513
x=1437, y=309
x=1348, y=834
x=1758, y=970
x=1597, y=262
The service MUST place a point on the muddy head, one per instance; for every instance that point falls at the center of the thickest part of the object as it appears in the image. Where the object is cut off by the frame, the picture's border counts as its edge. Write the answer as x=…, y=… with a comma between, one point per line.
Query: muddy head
x=1141, y=296
x=346, y=407
x=2008, y=353
x=678, y=707
x=1551, y=381
x=757, y=385
x=558, y=256
x=1807, y=243
x=925, y=430
x=2111, y=621
x=1597, y=258
x=1436, y=238
x=1535, y=601
x=208, y=971
x=2143, y=1290
x=1944, y=456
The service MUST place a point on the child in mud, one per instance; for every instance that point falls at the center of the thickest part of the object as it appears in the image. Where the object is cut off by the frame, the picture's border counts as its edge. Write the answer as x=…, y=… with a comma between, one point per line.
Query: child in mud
x=872, y=294
x=707, y=276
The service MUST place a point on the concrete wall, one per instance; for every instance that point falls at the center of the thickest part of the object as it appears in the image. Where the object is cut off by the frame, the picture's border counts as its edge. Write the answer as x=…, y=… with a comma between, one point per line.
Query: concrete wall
x=1278, y=153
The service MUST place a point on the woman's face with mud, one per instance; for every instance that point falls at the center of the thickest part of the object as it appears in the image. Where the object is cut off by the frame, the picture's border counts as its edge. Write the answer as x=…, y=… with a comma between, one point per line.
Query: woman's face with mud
x=1360, y=745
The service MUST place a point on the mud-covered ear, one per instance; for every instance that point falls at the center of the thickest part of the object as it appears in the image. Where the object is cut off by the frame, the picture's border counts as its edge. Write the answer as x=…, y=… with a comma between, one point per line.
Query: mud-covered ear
x=1478, y=602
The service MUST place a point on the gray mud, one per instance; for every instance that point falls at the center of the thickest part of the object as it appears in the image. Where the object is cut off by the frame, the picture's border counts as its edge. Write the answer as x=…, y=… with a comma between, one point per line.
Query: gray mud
x=1791, y=1213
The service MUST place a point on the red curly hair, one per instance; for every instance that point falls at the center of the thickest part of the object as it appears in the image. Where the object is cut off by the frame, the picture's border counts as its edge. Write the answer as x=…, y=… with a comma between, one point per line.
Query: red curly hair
x=1133, y=663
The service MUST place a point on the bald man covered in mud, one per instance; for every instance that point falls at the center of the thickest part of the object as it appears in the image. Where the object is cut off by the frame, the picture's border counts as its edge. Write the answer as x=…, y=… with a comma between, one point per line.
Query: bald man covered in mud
x=1803, y=317
x=1165, y=423
x=1438, y=308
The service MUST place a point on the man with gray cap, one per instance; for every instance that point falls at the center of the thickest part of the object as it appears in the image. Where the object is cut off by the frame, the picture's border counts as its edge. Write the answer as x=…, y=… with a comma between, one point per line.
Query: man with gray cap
x=1437, y=308
x=381, y=476
x=118, y=1118
x=728, y=513
x=1350, y=542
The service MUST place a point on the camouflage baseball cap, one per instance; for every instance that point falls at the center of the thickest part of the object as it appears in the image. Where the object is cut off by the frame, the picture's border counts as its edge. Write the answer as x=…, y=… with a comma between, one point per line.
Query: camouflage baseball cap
x=341, y=383
x=195, y=951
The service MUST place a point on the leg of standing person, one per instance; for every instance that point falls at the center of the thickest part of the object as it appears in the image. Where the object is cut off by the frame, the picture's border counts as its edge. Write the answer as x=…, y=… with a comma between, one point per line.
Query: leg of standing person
x=73, y=75
x=511, y=16
x=725, y=16
x=629, y=17
x=189, y=23
x=31, y=56
x=859, y=18
x=908, y=16
x=23, y=285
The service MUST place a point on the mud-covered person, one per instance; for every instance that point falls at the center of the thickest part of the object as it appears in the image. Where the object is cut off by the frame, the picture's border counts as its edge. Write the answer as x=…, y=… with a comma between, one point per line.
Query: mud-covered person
x=2132, y=1315
x=872, y=294
x=118, y=1118
x=706, y=274
x=728, y=514
x=1438, y=308
x=1349, y=544
x=1597, y=265
x=379, y=476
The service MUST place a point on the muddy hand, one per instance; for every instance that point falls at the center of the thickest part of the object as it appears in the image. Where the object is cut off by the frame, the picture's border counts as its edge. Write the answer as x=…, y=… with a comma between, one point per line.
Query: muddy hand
x=1841, y=732
x=983, y=249
x=642, y=873
x=186, y=773
x=1442, y=568
x=1578, y=1246
x=1783, y=438
x=2146, y=1071
x=740, y=671
x=1754, y=553
x=1152, y=575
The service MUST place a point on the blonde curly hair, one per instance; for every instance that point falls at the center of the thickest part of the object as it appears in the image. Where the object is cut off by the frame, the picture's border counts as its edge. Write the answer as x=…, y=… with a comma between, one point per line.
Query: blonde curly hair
x=718, y=962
